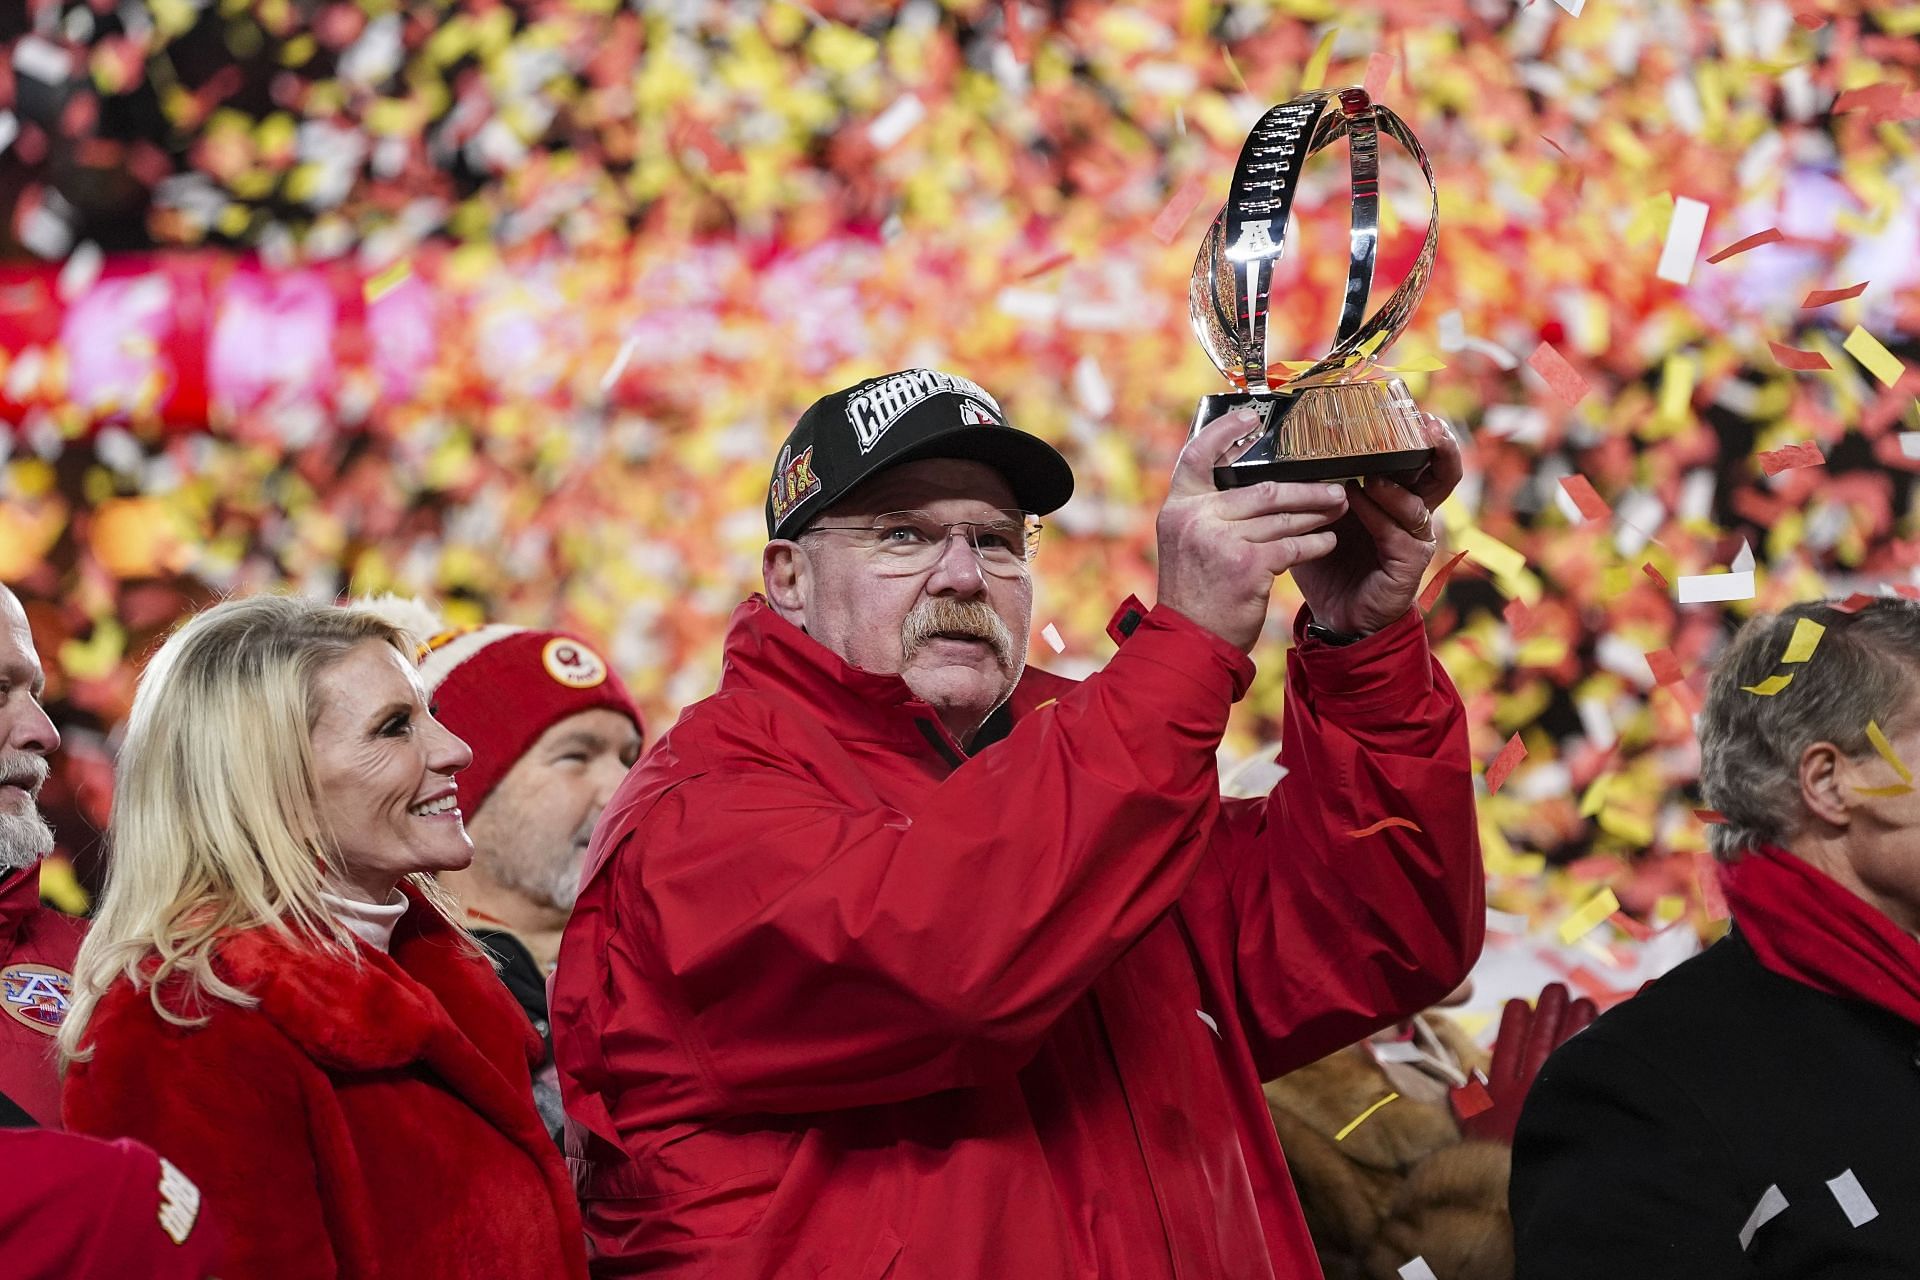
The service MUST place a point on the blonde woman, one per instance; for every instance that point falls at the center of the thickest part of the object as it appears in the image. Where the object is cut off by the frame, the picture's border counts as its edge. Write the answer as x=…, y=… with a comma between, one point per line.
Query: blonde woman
x=272, y=994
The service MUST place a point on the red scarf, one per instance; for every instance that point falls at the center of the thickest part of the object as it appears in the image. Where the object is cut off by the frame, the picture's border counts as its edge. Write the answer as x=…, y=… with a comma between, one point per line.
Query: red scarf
x=1805, y=925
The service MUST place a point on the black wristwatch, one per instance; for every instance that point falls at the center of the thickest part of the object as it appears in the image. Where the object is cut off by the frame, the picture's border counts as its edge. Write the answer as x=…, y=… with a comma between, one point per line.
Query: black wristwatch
x=1327, y=635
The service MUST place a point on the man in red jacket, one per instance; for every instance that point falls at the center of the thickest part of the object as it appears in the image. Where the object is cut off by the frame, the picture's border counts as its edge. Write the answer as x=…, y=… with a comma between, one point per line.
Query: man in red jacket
x=896, y=958
x=37, y=943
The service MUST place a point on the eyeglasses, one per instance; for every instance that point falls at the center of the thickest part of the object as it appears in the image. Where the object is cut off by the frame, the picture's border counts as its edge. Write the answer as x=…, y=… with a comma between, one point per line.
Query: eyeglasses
x=909, y=542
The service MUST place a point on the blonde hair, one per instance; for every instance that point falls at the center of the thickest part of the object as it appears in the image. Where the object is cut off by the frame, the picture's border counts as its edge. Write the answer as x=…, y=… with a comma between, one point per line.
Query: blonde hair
x=216, y=818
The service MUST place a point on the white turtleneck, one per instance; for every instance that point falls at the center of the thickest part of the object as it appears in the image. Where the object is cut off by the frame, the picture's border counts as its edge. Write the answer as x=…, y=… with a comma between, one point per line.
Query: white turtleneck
x=372, y=924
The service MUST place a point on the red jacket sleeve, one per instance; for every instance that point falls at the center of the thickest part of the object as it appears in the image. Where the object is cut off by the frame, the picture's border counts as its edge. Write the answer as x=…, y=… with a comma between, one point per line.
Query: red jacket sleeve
x=1331, y=934
x=826, y=951
x=223, y=1102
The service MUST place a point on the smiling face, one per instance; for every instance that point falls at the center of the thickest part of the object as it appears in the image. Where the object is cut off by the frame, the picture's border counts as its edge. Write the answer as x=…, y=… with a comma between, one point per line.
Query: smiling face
x=27, y=738
x=383, y=767
x=955, y=633
x=531, y=833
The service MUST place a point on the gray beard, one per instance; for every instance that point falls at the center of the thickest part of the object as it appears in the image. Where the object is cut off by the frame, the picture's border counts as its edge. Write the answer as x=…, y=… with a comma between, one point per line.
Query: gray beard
x=25, y=838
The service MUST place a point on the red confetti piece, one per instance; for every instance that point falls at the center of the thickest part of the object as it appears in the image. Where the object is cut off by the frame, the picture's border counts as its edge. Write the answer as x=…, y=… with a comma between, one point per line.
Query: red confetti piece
x=1666, y=667
x=1805, y=454
x=1505, y=763
x=1471, y=1098
x=1590, y=984
x=1906, y=591
x=1174, y=214
x=1770, y=236
x=1591, y=505
x=1517, y=615
x=1657, y=576
x=1712, y=817
x=1016, y=31
x=1379, y=71
x=1873, y=97
x=1383, y=824
x=1435, y=584
x=1821, y=297
x=1054, y=263
x=1794, y=358
x=1854, y=603
x=1810, y=19
x=1631, y=927
x=1561, y=376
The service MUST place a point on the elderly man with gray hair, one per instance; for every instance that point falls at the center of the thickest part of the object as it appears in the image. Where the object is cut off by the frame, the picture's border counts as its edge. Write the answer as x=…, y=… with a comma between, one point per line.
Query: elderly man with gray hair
x=1753, y=1112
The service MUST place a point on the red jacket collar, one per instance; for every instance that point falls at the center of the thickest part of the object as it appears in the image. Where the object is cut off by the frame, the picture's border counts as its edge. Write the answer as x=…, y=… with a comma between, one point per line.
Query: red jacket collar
x=19, y=899
x=389, y=1009
x=766, y=653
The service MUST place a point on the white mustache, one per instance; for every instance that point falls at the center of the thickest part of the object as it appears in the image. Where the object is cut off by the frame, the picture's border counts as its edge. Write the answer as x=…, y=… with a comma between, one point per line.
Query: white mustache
x=25, y=770
x=961, y=617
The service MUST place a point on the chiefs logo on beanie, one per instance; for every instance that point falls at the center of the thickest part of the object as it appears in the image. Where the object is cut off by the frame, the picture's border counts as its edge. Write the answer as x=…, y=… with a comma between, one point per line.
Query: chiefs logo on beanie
x=499, y=688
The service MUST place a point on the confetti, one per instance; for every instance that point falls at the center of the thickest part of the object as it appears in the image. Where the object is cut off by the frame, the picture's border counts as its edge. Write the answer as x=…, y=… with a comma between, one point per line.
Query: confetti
x=387, y=281
x=1356, y=1122
x=1872, y=97
x=1822, y=297
x=1666, y=667
x=1561, y=376
x=1659, y=579
x=1772, y=1204
x=1573, y=7
x=897, y=121
x=1805, y=454
x=1472, y=1098
x=1879, y=361
x=1383, y=824
x=1805, y=639
x=1588, y=917
x=1174, y=214
x=1437, y=583
x=1580, y=489
x=1768, y=687
x=1503, y=764
x=1051, y=634
x=1211, y=1024
x=1712, y=817
x=1853, y=1198
x=1684, y=231
x=1770, y=236
x=1793, y=358
x=1417, y=1268
x=1854, y=603
x=1315, y=74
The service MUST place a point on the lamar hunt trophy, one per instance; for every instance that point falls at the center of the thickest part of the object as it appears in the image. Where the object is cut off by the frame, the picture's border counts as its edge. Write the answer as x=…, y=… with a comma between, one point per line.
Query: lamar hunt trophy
x=1341, y=418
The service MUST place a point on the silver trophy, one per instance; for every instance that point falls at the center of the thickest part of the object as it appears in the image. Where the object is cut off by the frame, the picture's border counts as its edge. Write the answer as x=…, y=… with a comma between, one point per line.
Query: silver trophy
x=1342, y=418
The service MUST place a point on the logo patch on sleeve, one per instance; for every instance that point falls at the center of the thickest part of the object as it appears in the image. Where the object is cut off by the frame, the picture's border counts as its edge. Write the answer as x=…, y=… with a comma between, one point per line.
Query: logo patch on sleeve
x=573, y=664
x=36, y=995
x=179, y=1202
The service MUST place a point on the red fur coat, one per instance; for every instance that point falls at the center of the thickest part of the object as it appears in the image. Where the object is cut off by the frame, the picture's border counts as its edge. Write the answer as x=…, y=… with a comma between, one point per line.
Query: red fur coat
x=361, y=1121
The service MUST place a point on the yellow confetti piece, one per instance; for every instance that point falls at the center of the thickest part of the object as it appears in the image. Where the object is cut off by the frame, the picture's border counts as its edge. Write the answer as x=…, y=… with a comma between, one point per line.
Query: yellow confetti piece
x=1316, y=73
x=1898, y=789
x=387, y=281
x=1879, y=361
x=1356, y=1122
x=1887, y=753
x=1768, y=687
x=1676, y=387
x=1806, y=637
x=61, y=887
x=1588, y=917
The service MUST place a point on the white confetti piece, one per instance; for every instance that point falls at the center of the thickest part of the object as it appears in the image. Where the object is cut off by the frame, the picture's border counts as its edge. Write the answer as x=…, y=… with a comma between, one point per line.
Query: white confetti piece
x=897, y=121
x=80, y=272
x=1418, y=1268
x=1507, y=922
x=619, y=365
x=1853, y=1198
x=1771, y=1205
x=1712, y=588
x=1051, y=634
x=42, y=60
x=1683, y=240
x=1396, y=1051
x=9, y=129
x=1091, y=388
x=1910, y=444
x=1208, y=1019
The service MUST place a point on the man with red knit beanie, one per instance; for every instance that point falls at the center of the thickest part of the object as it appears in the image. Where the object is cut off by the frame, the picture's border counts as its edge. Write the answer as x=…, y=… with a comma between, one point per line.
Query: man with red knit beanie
x=553, y=731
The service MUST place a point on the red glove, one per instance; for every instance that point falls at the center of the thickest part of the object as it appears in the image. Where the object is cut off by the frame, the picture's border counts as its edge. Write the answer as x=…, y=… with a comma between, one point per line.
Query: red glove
x=1491, y=1112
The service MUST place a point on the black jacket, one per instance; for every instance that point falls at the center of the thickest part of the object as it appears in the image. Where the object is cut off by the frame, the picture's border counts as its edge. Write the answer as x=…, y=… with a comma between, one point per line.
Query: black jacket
x=521, y=974
x=1650, y=1139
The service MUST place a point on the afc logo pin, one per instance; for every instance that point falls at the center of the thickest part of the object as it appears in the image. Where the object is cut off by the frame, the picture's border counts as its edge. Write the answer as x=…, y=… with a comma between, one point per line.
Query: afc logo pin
x=37, y=995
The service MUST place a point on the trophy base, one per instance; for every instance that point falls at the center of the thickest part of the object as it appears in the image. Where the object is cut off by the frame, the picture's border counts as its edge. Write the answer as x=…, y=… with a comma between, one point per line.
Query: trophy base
x=1341, y=431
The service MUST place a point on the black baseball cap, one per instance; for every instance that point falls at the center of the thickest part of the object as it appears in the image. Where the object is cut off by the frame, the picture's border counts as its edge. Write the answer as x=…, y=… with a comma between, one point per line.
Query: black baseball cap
x=844, y=438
